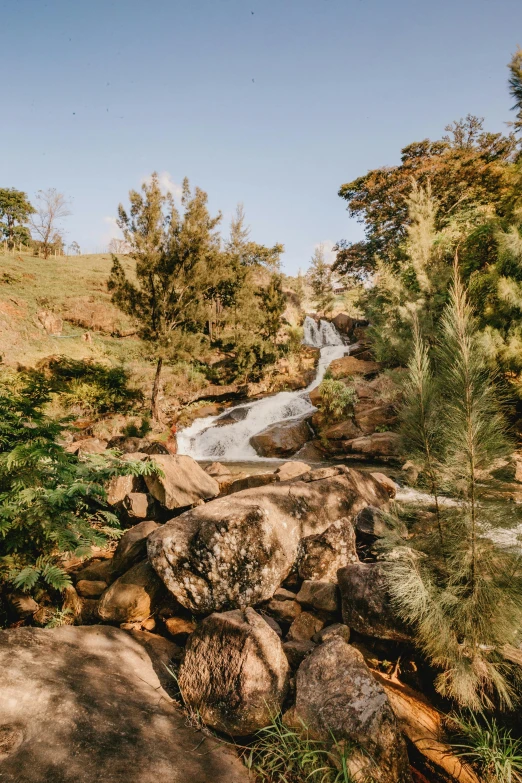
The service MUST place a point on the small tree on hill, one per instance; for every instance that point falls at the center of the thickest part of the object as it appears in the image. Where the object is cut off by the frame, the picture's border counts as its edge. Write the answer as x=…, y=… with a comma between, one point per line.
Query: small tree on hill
x=320, y=275
x=51, y=207
x=176, y=259
x=15, y=211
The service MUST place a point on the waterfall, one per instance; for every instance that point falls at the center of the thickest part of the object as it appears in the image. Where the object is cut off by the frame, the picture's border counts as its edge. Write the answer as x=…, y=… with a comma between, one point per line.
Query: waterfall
x=205, y=441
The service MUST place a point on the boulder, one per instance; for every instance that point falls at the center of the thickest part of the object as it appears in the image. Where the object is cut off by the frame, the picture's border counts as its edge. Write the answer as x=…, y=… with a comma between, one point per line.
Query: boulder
x=372, y=523
x=121, y=486
x=311, y=451
x=337, y=629
x=51, y=322
x=87, y=446
x=217, y=469
x=87, y=589
x=282, y=439
x=380, y=444
x=130, y=445
x=138, y=505
x=296, y=652
x=323, y=596
x=304, y=627
x=369, y=417
x=234, y=673
x=131, y=597
x=21, y=605
x=237, y=550
x=323, y=554
x=179, y=628
x=336, y=695
x=132, y=547
x=349, y=365
x=366, y=605
x=236, y=414
x=283, y=610
x=291, y=470
x=85, y=704
x=343, y=323
x=95, y=571
x=389, y=484
x=343, y=430
x=246, y=482
x=184, y=482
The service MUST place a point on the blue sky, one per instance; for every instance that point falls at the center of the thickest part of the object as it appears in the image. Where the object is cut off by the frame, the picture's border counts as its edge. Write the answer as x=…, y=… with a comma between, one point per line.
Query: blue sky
x=275, y=108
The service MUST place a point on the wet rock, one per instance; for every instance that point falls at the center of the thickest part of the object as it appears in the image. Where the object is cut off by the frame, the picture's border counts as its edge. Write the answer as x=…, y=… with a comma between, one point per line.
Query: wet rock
x=337, y=694
x=184, y=482
x=344, y=323
x=349, y=365
x=323, y=596
x=237, y=550
x=131, y=597
x=234, y=672
x=282, y=439
x=324, y=553
x=304, y=627
x=291, y=470
x=380, y=444
x=296, y=652
x=366, y=605
x=88, y=589
x=132, y=547
x=337, y=629
x=85, y=704
x=311, y=451
x=237, y=414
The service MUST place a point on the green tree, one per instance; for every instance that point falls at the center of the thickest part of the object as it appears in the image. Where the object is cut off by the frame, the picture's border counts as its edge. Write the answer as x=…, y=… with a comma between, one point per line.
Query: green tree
x=176, y=266
x=273, y=302
x=15, y=211
x=515, y=86
x=320, y=276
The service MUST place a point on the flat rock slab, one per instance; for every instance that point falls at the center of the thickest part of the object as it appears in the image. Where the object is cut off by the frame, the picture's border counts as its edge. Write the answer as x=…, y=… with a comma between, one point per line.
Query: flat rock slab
x=84, y=705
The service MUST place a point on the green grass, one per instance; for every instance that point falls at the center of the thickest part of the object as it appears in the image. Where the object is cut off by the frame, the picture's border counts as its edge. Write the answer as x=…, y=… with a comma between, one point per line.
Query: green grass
x=491, y=748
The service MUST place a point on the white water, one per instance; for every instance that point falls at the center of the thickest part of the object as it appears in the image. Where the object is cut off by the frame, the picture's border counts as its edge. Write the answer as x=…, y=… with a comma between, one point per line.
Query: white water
x=204, y=441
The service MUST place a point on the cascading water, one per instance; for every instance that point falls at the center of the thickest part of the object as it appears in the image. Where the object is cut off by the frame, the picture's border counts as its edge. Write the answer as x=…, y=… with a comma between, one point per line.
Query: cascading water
x=206, y=440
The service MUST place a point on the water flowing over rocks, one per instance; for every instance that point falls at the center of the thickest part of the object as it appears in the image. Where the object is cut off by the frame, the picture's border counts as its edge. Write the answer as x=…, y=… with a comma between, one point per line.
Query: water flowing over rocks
x=234, y=672
x=237, y=550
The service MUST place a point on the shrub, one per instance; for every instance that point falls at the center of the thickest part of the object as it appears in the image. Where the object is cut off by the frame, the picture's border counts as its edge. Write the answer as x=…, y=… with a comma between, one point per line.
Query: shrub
x=337, y=400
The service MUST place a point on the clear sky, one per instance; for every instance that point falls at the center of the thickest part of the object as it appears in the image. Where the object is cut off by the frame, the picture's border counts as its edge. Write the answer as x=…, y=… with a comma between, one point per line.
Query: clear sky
x=274, y=103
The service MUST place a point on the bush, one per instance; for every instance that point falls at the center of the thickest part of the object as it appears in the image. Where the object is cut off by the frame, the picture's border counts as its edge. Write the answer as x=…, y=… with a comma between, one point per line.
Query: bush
x=337, y=400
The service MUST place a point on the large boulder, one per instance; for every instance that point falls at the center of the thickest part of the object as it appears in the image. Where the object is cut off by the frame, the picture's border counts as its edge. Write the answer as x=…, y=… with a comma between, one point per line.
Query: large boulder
x=183, y=482
x=344, y=323
x=234, y=672
x=291, y=470
x=132, y=547
x=366, y=604
x=85, y=704
x=131, y=598
x=323, y=554
x=237, y=550
x=337, y=696
x=282, y=439
x=349, y=365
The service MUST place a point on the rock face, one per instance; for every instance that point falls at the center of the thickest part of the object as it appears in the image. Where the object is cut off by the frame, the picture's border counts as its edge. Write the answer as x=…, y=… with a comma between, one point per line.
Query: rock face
x=282, y=439
x=131, y=597
x=81, y=705
x=237, y=550
x=323, y=554
x=183, y=484
x=365, y=603
x=235, y=672
x=337, y=694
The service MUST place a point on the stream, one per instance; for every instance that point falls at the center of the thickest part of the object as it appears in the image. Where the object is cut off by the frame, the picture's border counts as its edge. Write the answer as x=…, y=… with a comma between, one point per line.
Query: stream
x=213, y=438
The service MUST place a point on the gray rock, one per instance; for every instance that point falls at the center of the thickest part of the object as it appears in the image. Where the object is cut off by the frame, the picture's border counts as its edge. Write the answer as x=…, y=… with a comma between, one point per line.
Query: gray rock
x=320, y=595
x=184, y=482
x=304, y=627
x=366, y=605
x=337, y=694
x=131, y=598
x=337, y=629
x=81, y=705
x=237, y=550
x=132, y=547
x=234, y=672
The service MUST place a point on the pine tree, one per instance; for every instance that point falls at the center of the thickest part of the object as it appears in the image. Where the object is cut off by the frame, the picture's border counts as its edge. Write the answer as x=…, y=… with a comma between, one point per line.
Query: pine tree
x=515, y=86
x=320, y=275
x=177, y=265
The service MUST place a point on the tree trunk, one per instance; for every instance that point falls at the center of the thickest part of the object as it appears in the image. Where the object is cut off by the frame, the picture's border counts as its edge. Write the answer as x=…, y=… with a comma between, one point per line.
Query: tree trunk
x=155, y=391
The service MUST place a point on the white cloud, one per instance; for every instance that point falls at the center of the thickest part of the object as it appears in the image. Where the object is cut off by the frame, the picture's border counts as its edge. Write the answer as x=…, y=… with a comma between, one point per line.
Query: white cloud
x=329, y=253
x=167, y=184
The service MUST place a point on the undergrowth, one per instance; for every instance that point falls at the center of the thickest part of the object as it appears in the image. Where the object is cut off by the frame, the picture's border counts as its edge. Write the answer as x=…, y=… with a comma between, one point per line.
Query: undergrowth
x=489, y=747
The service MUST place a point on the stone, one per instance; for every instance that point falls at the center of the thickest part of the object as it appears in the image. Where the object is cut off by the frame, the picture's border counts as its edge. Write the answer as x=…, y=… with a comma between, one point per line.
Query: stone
x=21, y=604
x=336, y=695
x=217, y=469
x=372, y=523
x=87, y=446
x=380, y=444
x=237, y=550
x=236, y=414
x=131, y=597
x=343, y=323
x=95, y=571
x=272, y=623
x=85, y=704
x=282, y=439
x=51, y=322
x=411, y=472
x=44, y=615
x=120, y=486
x=324, y=553
x=323, y=596
x=179, y=628
x=234, y=673
x=349, y=365
x=296, y=652
x=184, y=482
x=291, y=470
x=282, y=594
x=366, y=605
x=88, y=589
x=304, y=627
x=72, y=604
x=132, y=547
x=342, y=430
x=337, y=629
x=138, y=505
x=286, y=611
x=89, y=611
x=149, y=624
x=388, y=483
x=247, y=482
x=130, y=445
x=311, y=451
x=369, y=417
